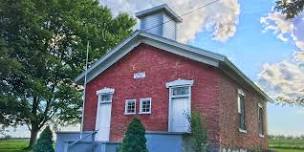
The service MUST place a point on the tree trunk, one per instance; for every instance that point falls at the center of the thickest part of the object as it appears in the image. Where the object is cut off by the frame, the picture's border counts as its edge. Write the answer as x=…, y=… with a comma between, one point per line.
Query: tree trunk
x=33, y=138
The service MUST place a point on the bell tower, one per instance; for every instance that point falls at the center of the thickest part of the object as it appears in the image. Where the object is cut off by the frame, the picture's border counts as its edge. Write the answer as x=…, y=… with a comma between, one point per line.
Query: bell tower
x=160, y=20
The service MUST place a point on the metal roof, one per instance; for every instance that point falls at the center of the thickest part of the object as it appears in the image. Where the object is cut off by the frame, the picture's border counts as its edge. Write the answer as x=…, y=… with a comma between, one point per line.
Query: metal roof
x=160, y=8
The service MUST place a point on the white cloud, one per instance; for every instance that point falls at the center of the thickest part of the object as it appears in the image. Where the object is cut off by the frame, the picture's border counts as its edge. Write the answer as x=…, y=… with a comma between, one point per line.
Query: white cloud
x=285, y=30
x=222, y=24
x=284, y=80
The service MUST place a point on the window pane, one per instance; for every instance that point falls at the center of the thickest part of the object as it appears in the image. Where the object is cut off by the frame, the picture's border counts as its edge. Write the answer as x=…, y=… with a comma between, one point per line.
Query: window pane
x=181, y=91
x=242, y=114
x=261, y=121
x=130, y=107
x=146, y=106
x=105, y=97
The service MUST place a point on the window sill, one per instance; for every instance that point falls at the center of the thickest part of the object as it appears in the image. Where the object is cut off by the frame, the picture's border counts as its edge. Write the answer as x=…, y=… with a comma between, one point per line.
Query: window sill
x=242, y=130
x=129, y=113
x=261, y=135
x=144, y=113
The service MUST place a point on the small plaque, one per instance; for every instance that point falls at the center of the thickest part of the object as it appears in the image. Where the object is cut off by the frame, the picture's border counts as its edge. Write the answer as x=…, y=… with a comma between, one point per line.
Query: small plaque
x=139, y=75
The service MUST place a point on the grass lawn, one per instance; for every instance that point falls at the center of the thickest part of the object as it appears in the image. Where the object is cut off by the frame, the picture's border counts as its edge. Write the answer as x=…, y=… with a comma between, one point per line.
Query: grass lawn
x=284, y=144
x=13, y=145
x=287, y=150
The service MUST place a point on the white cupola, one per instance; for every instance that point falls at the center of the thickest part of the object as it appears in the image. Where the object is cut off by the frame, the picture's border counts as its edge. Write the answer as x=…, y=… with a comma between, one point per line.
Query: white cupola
x=160, y=20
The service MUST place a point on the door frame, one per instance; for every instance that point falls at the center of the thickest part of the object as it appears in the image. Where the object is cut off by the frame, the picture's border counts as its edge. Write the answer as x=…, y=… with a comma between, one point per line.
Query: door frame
x=175, y=84
x=99, y=93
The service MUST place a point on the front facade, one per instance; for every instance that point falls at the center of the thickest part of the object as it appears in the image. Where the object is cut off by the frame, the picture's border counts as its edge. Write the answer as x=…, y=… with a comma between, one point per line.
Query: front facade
x=160, y=81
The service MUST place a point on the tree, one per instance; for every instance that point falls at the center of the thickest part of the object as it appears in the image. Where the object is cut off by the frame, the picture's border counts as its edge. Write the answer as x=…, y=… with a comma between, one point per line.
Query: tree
x=45, y=141
x=290, y=8
x=134, y=139
x=199, y=134
x=43, y=48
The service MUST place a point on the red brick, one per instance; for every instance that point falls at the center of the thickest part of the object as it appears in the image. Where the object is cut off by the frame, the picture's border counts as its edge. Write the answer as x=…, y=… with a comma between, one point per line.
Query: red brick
x=213, y=94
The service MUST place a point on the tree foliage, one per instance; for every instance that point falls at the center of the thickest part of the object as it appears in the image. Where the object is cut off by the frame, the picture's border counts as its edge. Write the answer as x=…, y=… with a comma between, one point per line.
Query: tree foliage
x=290, y=8
x=134, y=139
x=45, y=141
x=43, y=48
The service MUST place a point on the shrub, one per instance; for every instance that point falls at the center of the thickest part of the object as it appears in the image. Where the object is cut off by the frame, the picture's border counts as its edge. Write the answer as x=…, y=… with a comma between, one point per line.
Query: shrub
x=134, y=140
x=44, y=143
x=198, y=132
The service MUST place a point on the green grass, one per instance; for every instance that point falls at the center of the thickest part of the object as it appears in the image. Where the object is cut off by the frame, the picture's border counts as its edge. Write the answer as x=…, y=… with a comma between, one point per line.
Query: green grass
x=13, y=145
x=285, y=144
x=287, y=150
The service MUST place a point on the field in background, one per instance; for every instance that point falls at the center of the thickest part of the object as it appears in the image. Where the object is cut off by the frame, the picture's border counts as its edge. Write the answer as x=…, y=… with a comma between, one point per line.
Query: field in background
x=13, y=145
x=277, y=143
x=286, y=144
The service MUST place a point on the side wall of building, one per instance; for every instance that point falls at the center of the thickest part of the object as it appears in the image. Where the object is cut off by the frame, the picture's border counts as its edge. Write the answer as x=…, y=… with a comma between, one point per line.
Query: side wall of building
x=160, y=67
x=230, y=136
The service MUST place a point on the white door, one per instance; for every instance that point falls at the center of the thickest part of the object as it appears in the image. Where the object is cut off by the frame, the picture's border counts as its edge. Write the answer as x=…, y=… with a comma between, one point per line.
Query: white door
x=104, y=121
x=180, y=114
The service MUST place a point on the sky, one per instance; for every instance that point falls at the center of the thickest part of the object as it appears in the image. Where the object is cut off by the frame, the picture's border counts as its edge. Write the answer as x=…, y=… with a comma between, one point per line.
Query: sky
x=268, y=48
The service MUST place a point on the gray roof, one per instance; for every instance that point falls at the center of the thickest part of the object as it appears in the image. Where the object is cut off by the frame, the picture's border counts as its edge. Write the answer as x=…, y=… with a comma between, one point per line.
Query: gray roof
x=160, y=8
x=193, y=53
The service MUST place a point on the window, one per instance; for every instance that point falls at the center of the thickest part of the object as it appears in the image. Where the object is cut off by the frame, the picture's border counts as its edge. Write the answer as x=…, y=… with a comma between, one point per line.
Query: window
x=241, y=111
x=105, y=98
x=105, y=95
x=130, y=106
x=179, y=91
x=145, y=106
x=261, y=120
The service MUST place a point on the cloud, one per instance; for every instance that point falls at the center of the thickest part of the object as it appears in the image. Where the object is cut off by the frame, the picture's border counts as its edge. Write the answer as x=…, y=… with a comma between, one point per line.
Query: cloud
x=222, y=24
x=284, y=80
x=285, y=30
x=276, y=22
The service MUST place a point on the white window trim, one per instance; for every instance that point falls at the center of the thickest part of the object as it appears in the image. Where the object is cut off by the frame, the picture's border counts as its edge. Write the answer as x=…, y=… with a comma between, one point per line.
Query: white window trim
x=126, y=107
x=242, y=130
x=241, y=92
x=260, y=106
x=179, y=82
x=171, y=85
x=105, y=90
x=140, y=105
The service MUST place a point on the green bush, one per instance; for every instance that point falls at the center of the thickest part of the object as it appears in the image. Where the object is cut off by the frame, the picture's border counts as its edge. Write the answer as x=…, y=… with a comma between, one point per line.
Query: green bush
x=45, y=142
x=199, y=134
x=134, y=140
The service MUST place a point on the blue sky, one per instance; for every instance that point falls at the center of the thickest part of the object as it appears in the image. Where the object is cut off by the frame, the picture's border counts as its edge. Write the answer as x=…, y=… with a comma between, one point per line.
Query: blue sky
x=250, y=46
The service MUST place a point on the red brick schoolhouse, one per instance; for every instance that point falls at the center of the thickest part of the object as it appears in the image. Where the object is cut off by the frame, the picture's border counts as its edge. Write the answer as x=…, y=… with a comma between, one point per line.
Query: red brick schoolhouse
x=151, y=76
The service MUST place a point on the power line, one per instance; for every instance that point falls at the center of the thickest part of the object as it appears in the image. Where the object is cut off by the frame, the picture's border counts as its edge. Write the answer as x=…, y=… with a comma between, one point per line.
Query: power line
x=186, y=13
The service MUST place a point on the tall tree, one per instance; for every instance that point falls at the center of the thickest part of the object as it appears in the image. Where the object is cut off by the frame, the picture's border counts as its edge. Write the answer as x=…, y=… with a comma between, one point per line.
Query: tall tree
x=290, y=8
x=43, y=48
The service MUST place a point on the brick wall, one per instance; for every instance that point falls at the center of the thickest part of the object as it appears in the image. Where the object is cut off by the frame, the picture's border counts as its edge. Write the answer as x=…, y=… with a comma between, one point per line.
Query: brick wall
x=230, y=136
x=160, y=67
x=213, y=94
